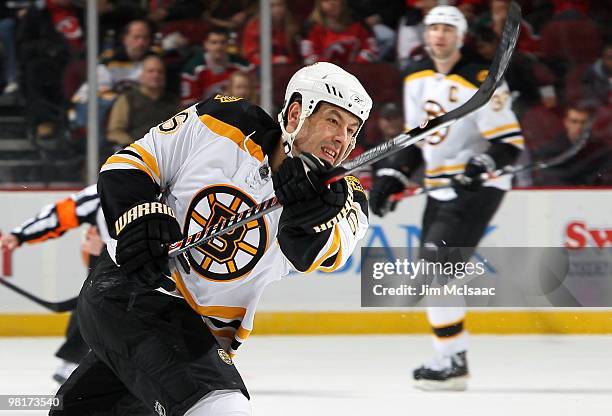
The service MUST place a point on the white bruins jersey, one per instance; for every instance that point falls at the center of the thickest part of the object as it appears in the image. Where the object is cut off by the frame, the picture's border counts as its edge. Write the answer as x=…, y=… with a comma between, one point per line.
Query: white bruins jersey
x=429, y=94
x=210, y=162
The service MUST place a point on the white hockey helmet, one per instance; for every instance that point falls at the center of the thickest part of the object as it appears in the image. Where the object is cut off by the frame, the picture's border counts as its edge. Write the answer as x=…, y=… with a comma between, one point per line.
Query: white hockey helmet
x=324, y=81
x=448, y=15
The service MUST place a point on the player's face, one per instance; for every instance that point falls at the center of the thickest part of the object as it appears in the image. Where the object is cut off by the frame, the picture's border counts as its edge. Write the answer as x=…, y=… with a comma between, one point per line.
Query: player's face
x=442, y=40
x=327, y=133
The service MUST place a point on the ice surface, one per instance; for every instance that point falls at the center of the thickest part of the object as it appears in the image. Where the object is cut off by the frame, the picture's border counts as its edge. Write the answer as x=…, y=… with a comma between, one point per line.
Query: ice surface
x=370, y=375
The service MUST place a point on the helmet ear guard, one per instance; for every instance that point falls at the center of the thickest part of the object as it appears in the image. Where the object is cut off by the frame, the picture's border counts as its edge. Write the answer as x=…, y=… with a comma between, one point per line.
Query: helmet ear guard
x=324, y=82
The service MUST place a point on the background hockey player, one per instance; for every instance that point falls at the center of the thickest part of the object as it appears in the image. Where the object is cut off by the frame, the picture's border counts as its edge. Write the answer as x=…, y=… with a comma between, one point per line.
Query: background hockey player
x=169, y=351
x=481, y=142
x=52, y=222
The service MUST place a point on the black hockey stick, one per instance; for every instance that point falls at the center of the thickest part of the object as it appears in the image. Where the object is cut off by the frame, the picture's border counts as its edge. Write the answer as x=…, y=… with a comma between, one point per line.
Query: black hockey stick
x=508, y=170
x=64, y=306
x=480, y=98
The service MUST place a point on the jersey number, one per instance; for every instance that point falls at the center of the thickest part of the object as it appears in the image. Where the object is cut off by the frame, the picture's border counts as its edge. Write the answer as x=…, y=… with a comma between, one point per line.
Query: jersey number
x=172, y=125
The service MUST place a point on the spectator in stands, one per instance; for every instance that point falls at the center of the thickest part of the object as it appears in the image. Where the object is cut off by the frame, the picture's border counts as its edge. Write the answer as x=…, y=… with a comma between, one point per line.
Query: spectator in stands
x=390, y=124
x=521, y=77
x=597, y=80
x=411, y=30
x=207, y=72
x=121, y=68
x=48, y=38
x=138, y=109
x=382, y=18
x=8, y=22
x=285, y=36
x=471, y=9
x=586, y=167
x=160, y=11
x=118, y=70
x=242, y=84
x=527, y=42
x=229, y=14
x=332, y=36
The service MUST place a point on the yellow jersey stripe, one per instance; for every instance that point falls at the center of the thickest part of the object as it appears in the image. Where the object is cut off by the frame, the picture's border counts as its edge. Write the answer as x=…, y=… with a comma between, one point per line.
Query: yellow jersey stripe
x=436, y=182
x=499, y=129
x=148, y=158
x=460, y=80
x=518, y=141
x=226, y=312
x=234, y=134
x=421, y=74
x=119, y=159
x=333, y=248
x=445, y=169
x=336, y=264
x=430, y=73
x=242, y=334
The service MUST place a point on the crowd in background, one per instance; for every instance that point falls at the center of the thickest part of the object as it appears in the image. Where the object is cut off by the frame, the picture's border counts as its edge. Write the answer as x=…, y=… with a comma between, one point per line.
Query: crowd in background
x=158, y=56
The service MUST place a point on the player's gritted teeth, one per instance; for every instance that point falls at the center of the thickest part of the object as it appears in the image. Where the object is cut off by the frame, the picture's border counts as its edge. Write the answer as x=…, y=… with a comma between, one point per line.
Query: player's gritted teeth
x=329, y=154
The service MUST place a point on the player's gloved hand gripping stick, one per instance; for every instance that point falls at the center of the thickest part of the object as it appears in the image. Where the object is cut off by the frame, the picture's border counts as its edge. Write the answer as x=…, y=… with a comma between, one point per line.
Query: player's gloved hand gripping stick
x=480, y=98
x=506, y=170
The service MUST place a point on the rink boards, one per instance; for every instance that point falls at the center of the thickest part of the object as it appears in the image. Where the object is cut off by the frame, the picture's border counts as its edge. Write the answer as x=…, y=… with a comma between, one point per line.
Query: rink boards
x=323, y=303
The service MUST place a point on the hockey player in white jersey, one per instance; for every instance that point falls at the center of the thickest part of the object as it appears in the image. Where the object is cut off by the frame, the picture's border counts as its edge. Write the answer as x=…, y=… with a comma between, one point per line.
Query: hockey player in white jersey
x=169, y=350
x=456, y=216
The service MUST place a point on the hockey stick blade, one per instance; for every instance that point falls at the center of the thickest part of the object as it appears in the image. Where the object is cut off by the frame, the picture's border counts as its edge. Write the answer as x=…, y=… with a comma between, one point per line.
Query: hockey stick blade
x=480, y=98
x=65, y=306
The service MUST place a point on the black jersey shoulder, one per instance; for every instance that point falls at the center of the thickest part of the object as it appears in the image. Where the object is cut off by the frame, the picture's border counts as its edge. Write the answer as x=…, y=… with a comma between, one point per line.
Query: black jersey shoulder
x=423, y=63
x=249, y=118
x=473, y=72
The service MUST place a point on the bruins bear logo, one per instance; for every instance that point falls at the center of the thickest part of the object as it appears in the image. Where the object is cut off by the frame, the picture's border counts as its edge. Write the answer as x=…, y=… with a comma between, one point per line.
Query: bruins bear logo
x=433, y=110
x=234, y=254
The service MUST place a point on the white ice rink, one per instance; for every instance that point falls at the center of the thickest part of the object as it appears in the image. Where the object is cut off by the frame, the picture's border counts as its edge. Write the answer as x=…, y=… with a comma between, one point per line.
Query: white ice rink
x=370, y=375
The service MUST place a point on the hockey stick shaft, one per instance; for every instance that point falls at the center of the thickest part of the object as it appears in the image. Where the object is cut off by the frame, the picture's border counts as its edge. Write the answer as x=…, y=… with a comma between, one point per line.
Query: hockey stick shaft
x=64, y=306
x=508, y=170
x=479, y=99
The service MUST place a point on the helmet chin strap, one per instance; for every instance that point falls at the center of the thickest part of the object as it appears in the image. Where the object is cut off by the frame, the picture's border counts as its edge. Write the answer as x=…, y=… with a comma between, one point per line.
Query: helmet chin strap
x=287, y=137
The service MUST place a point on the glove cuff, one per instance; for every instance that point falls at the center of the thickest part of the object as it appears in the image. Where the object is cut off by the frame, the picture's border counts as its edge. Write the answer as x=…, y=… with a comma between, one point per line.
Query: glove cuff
x=140, y=211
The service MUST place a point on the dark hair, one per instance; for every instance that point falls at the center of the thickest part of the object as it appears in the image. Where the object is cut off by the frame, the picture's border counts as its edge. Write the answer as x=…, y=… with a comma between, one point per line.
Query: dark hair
x=218, y=31
x=580, y=107
x=129, y=24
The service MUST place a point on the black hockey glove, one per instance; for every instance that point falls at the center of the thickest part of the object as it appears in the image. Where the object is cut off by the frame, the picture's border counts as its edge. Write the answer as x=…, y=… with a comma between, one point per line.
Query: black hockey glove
x=307, y=202
x=143, y=234
x=383, y=186
x=470, y=179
